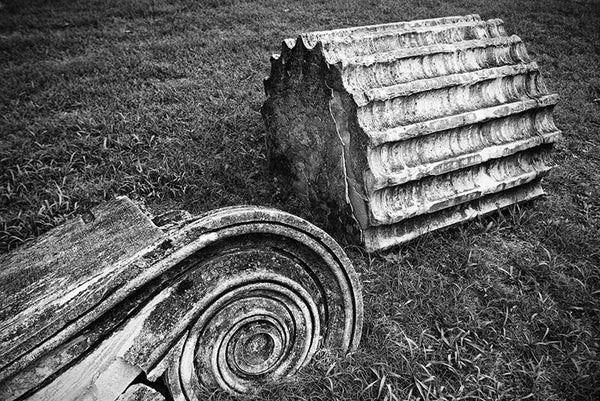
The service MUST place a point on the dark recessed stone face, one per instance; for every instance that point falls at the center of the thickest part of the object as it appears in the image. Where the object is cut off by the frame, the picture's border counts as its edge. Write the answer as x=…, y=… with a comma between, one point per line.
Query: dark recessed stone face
x=412, y=126
x=258, y=346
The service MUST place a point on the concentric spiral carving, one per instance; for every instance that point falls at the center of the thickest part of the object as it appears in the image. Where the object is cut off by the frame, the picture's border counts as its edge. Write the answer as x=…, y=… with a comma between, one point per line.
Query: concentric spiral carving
x=282, y=289
x=232, y=299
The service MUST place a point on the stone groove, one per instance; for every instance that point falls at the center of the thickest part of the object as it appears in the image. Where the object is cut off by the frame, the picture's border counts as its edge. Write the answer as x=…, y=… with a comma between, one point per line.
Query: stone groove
x=384, y=237
x=410, y=52
x=464, y=79
x=400, y=162
x=457, y=120
x=338, y=49
x=312, y=38
x=368, y=78
x=433, y=193
x=420, y=107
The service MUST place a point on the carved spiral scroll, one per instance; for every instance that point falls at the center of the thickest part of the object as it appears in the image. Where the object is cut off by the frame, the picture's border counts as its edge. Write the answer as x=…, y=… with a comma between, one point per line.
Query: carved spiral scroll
x=233, y=299
x=271, y=290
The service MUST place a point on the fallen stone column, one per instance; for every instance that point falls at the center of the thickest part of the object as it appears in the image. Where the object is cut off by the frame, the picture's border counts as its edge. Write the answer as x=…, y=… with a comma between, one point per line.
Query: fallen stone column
x=233, y=299
x=410, y=127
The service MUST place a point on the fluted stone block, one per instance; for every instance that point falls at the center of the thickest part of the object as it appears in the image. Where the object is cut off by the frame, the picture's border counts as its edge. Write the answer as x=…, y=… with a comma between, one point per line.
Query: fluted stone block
x=412, y=126
x=235, y=298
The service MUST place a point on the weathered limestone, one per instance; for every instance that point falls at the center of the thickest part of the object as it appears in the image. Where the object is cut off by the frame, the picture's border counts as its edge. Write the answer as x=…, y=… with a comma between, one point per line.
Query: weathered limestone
x=234, y=298
x=412, y=126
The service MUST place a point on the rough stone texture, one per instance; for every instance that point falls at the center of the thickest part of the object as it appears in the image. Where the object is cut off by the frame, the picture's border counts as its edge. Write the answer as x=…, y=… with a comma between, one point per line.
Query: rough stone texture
x=234, y=298
x=412, y=126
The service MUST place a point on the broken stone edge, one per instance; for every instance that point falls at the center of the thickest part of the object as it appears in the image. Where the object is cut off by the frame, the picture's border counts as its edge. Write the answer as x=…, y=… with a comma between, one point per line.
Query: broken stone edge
x=328, y=129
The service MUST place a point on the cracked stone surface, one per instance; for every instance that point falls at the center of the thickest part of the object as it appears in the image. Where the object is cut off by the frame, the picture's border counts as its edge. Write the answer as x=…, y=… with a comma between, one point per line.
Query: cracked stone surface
x=410, y=127
x=233, y=298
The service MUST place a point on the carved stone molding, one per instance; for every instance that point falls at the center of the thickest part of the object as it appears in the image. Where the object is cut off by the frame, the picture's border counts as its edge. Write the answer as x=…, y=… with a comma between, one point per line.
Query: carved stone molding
x=234, y=298
x=411, y=126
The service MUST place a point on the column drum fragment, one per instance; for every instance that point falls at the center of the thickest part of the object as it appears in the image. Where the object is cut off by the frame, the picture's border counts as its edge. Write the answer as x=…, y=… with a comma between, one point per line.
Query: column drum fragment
x=410, y=127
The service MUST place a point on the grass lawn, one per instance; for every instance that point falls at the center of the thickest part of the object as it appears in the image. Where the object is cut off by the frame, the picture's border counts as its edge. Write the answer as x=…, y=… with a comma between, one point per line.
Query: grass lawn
x=159, y=100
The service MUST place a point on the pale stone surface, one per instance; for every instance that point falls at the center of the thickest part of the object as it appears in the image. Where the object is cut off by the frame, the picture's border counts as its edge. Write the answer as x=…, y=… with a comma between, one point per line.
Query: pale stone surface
x=412, y=126
x=234, y=298
x=140, y=392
